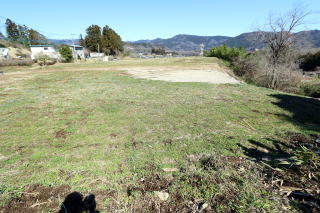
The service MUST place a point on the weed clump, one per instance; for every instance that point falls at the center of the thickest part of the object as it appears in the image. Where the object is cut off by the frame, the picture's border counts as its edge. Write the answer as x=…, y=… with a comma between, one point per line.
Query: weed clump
x=312, y=90
x=219, y=184
x=16, y=62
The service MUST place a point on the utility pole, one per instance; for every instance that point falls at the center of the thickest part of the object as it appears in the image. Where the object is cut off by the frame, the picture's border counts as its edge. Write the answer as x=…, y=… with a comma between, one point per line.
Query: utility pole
x=74, y=49
x=201, y=49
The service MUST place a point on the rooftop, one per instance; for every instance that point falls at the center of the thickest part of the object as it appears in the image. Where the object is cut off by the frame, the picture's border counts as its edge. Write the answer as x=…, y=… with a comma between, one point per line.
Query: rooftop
x=40, y=45
x=75, y=46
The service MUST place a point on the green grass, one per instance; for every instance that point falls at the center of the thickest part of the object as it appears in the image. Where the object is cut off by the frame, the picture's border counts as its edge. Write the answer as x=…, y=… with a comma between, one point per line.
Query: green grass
x=115, y=125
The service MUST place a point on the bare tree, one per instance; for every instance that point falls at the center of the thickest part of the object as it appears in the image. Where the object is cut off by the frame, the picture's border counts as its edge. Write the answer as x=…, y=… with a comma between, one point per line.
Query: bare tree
x=279, y=40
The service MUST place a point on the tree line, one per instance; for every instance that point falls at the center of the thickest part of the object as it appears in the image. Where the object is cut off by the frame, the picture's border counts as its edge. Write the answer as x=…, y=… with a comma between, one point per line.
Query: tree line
x=23, y=34
x=104, y=41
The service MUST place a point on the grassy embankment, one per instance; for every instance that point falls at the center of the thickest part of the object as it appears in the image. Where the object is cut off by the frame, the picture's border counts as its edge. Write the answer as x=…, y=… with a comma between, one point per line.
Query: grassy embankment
x=95, y=129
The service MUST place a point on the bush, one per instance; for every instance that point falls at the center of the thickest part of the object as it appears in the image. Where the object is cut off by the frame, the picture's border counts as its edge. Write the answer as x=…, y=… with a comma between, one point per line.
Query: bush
x=256, y=69
x=226, y=53
x=312, y=90
x=158, y=51
x=44, y=60
x=310, y=62
x=244, y=66
x=66, y=53
x=26, y=62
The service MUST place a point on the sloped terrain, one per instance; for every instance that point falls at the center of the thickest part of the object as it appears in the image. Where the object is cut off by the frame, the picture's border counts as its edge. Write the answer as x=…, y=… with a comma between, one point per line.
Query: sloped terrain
x=15, y=50
x=153, y=146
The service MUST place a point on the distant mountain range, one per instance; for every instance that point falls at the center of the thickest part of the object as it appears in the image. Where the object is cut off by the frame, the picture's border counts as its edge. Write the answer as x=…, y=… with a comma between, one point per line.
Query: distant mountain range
x=63, y=41
x=190, y=44
x=186, y=43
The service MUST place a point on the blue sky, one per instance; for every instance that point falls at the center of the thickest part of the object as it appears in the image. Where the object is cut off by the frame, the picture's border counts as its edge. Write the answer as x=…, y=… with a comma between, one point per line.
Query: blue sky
x=149, y=19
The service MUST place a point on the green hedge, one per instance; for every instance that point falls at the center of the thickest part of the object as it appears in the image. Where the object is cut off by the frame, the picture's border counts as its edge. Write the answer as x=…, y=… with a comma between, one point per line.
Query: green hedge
x=226, y=53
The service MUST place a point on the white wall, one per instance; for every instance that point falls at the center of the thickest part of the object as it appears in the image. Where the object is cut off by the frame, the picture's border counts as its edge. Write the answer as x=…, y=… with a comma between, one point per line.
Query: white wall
x=4, y=52
x=49, y=51
x=96, y=55
x=79, y=51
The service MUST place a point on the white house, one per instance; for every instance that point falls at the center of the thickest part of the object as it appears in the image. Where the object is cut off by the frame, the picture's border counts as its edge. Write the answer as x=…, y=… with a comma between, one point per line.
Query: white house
x=48, y=50
x=4, y=53
x=77, y=51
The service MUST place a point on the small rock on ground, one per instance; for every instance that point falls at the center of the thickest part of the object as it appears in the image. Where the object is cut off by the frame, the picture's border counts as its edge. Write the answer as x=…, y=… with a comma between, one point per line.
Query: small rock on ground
x=204, y=206
x=162, y=195
x=2, y=157
x=170, y=170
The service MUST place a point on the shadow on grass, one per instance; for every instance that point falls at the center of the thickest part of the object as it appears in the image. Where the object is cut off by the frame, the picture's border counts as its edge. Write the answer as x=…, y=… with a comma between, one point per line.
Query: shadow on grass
x=264, y=152
x=305, y=111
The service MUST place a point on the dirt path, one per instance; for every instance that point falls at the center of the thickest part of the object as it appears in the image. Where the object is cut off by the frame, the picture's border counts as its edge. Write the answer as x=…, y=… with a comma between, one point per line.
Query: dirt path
x=208, y=76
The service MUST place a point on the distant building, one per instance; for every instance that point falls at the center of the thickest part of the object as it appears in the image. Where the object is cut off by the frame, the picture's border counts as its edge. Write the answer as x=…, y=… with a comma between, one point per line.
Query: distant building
x=77, y=51
x=96, y=55
x=48, y=50
x=4, y=53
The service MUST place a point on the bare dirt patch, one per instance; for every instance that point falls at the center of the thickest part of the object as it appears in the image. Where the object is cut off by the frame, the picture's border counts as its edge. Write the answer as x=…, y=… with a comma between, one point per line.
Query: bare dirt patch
x=178, y=75
x=37, y=198
x=113, y=135
x=207, y=191
x=61, y=134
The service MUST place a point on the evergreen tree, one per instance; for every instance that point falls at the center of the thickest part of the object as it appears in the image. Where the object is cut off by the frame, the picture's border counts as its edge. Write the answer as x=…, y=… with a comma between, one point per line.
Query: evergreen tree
x=66, y=53
x=93, y=38
x=23, y=35
x=111, y=42
x=81, y=41
x=158, y=51
x=36, y=38
x=12, y=30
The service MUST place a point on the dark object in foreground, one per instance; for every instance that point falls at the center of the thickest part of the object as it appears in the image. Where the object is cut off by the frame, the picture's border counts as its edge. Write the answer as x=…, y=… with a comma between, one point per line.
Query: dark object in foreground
x=74, y=203
x=90, y=203
x=309, y=201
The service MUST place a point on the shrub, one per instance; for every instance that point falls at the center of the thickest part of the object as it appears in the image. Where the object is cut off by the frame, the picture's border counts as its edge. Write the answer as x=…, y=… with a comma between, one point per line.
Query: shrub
x=44, y=60
x=66, y=53
x=226, y=53
x=310, y=62
x=26, y=62
x=256, y=69
x=312, y=90
x=158, y=51
x=244, y=66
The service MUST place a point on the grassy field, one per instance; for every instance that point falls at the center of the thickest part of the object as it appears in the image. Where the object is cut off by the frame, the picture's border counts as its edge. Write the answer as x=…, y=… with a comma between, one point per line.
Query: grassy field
x=91, y=128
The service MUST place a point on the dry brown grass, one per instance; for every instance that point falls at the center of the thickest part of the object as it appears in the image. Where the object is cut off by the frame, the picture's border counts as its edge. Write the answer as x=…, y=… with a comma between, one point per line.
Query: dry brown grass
x=26, y=62
x=257, y=70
